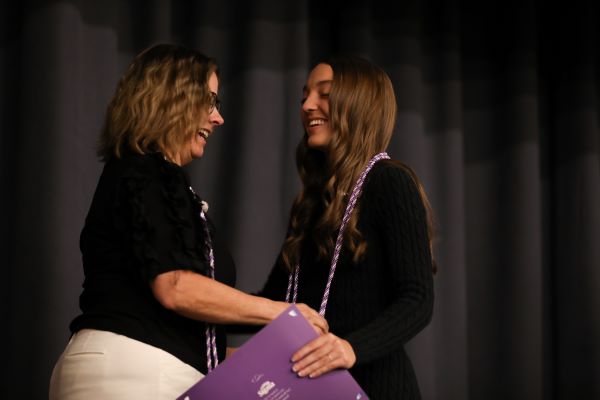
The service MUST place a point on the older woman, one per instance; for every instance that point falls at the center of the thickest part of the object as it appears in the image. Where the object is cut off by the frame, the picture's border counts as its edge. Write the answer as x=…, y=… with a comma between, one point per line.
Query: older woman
x=157, y=275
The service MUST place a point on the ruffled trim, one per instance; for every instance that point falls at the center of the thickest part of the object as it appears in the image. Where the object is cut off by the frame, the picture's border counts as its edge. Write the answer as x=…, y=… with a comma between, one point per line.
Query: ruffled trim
x=190, y=252
x=176, y=188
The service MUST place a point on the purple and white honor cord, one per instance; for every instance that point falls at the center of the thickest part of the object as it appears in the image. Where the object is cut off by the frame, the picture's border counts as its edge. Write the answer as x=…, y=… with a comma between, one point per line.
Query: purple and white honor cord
x=356, y=191
x=211, y=336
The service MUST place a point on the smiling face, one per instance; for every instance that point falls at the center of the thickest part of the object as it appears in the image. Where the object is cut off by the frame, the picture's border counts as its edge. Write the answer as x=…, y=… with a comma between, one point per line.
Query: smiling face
x=315, y=106
x=195, y=148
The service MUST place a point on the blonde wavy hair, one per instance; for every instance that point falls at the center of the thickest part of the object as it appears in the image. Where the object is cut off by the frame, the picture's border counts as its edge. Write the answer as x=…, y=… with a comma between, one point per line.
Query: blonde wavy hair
x=160, y=102
x=362, y=114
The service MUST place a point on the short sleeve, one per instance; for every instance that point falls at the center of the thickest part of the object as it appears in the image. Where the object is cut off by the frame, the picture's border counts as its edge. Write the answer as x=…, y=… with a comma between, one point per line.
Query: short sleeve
x=166, y=231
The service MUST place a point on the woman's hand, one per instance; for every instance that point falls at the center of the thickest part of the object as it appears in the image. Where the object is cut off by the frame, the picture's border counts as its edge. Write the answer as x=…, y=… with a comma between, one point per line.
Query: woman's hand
x=323, y=354
x=315, y=319
x=318, y=323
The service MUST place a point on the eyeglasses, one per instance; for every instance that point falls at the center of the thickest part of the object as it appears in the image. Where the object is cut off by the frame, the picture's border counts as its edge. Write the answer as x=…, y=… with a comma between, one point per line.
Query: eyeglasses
x=215, y=103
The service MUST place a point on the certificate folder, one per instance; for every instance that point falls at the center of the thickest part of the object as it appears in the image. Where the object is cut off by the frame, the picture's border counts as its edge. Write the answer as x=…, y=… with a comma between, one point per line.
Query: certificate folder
x=262, y=369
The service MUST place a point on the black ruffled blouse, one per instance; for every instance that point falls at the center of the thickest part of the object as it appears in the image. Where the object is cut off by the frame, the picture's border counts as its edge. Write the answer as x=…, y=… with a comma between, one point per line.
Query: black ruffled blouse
x=144, y=220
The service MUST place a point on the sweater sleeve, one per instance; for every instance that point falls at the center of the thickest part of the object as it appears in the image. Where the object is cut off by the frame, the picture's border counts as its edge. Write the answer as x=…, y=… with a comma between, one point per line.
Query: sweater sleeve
x=275, y=287
x=399, y=214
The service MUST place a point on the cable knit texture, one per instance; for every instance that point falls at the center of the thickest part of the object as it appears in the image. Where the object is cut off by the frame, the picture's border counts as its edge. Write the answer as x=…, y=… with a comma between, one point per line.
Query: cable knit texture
x=383, y=301
x=144, y=220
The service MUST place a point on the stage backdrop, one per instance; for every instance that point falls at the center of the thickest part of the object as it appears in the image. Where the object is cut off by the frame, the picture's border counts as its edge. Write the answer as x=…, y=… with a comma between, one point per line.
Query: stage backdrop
x=498, y=114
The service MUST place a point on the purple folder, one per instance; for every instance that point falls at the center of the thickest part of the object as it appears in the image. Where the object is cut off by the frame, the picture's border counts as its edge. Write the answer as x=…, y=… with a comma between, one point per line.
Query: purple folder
x=262, y=369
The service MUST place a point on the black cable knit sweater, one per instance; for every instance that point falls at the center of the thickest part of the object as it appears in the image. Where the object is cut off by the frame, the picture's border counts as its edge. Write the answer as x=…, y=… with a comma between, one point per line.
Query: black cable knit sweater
x=383, y=301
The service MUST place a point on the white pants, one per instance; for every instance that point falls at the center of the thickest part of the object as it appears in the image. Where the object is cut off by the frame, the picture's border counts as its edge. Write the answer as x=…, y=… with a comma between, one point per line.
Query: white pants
x=104, y=365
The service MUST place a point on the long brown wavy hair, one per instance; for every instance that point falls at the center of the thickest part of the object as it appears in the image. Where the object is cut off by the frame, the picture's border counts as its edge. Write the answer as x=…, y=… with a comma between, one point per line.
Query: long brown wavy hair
x=160, y=102
x=362, y=114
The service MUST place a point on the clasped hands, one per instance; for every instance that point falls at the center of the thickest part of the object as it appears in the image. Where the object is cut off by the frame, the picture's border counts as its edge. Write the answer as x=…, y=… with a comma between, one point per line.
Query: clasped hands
x=323, y=354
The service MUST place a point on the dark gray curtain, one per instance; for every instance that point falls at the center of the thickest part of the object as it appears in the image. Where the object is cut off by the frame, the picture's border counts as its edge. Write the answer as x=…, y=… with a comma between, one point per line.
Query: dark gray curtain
x=498, y=115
